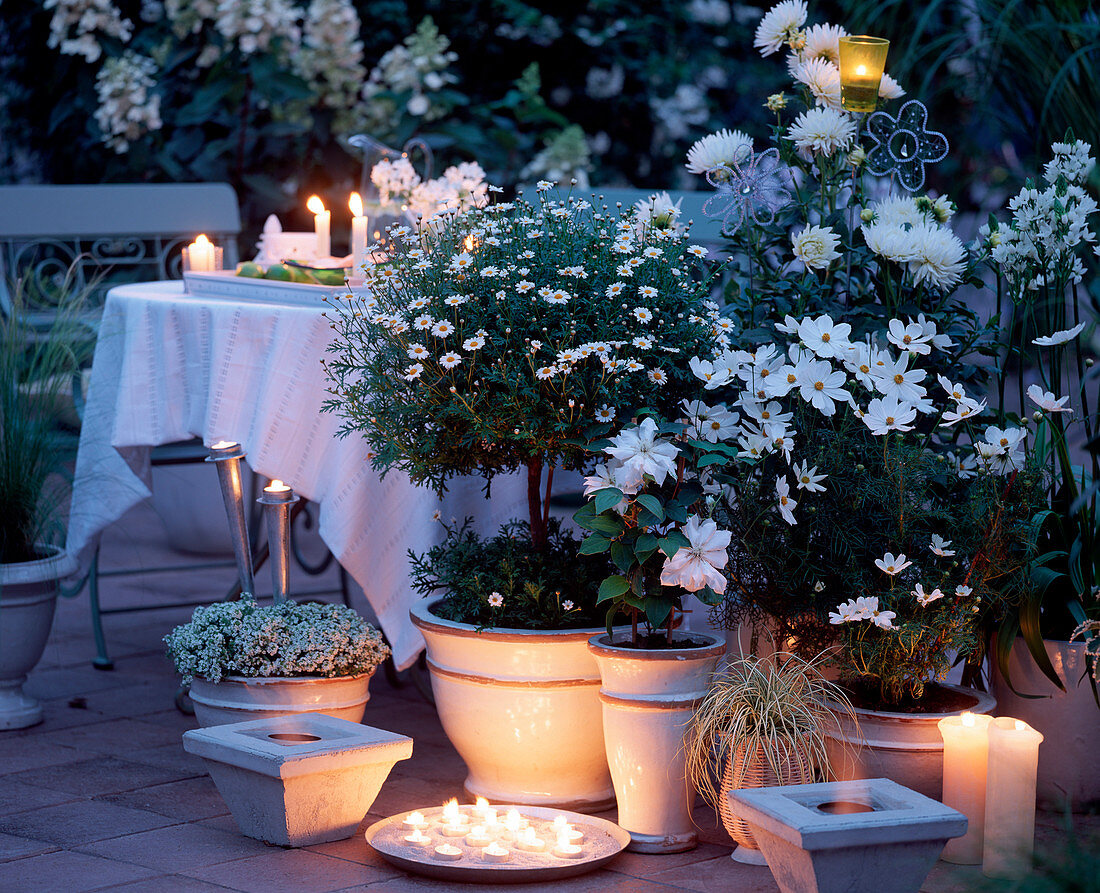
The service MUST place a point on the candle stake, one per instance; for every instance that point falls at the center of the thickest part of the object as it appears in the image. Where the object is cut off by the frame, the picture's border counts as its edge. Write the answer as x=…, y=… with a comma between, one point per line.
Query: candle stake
x=277, y=500
x=226, y=457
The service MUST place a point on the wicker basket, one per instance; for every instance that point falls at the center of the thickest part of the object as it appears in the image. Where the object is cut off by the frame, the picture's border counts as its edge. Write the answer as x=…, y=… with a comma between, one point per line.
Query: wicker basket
x=751, y=769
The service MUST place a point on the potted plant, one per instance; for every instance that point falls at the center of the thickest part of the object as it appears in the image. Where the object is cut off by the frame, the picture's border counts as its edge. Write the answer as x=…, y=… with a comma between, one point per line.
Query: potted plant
x=39, y=365
x=246, y=661
x=763, y=722
x=491, y=341
x=1039, y=258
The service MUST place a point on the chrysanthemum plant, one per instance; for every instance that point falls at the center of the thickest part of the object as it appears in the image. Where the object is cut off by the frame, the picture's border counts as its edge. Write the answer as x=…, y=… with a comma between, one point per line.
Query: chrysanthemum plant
x=867, y=502
x=1040, y=258
x=503, y=338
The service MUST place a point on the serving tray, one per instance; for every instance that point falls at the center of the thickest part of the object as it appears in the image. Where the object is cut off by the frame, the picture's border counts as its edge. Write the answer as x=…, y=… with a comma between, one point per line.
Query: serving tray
x=227, y=284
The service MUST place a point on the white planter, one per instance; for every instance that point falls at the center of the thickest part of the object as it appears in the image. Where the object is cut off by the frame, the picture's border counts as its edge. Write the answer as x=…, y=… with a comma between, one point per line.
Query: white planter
x=240, y=698
x=28, y=596
x=1069, y=722
x=648, y=698
x=904, y=747
x=298, y=780
x=522, y=709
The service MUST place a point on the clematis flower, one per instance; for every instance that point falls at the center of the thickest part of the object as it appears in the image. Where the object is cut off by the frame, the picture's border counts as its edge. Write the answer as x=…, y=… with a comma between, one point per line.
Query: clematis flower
x=889, y=564
x=698, y=564
x=642, y=452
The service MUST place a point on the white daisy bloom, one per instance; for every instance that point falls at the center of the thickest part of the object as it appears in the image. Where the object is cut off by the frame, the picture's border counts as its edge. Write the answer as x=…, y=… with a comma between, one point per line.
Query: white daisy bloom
x=423, y=322
x=449, y=360
x=557, y=296
x=643, y=314
x=496, y=600
x=413, y=372
x=442, y=329
x=545, y=372
x=605, y=413
x=657, y=376
x=614, y=289
x=475, y=343
x=417, y=351
x=647, y=291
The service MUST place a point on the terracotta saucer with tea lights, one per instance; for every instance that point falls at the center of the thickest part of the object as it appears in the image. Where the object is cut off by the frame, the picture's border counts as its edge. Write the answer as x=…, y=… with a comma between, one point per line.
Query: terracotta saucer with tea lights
x=496, y=844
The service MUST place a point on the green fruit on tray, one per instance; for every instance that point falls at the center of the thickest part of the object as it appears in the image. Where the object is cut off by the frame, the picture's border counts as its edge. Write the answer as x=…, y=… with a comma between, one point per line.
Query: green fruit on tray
x=330, y=277
x=299, y=274
x=280, y=272
x=251, y=270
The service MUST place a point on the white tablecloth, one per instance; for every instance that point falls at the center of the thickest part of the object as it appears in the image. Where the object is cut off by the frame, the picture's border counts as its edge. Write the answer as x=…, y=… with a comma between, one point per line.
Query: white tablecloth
x=170, y=366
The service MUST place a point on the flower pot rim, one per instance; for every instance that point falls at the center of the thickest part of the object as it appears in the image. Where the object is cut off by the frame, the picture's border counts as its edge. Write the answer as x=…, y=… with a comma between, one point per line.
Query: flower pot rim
x=56, y=564
x=423, y=619
x=286, y=680
x=984, y=702
x=599, y=644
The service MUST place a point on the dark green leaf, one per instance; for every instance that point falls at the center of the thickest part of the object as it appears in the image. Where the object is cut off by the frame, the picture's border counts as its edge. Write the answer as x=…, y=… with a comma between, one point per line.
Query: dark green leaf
x=594, y=544
x=607, y=498
x=612, y=587
x=651, y=504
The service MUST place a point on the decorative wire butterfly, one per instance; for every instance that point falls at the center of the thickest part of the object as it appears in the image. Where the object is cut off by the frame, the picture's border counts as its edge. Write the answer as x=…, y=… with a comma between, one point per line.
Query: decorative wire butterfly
x=754, y=190
x=904, y=145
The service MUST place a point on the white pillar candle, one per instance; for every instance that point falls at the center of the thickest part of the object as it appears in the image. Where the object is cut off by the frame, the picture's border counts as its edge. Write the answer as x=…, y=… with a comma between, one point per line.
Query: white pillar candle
x=965, y=753
x=1010, y=798
x=358, y=236
x=200, y=256
x=322, y=221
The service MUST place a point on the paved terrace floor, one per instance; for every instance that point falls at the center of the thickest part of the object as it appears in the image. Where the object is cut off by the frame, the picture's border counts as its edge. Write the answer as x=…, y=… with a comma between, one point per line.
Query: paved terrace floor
x=101, y=795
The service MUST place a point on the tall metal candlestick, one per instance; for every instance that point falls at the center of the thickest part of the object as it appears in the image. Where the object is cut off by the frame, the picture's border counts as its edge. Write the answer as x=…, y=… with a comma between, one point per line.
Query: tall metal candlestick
x=226, y=456
x=277, y=500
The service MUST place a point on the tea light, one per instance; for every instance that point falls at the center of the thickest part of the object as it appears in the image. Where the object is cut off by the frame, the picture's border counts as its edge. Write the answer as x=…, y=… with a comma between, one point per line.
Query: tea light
x=478, y=837
x=322, y=221
x=513, y=821
x=482, y=810
x=447, y=853
x=452, y=815
x=416, y=821
x=418, y=838
x=494, y=852
x=564, y=849
x=529, y=842
x=454, y=830
x=565, y=831
x=862, y=60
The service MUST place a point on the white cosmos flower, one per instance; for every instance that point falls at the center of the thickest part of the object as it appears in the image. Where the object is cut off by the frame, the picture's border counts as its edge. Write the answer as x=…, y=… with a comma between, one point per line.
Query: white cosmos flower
x=823, y=79
x=888, y=414
x=1059, y=337
x=888, y=88
x=824, y=337
x=926, y=598
x=816, y=247
x=722, y=149
x=963, y=410
x=909, y=337
x=955, y=391
x=808, y=479
x=706, y=372
x=822, y=131
x=819, y=385
x=940, y=546
x=710, y=423
x=778, y=25
x=642, y=452
x=939, y=258
x=894, y=380
x=786, y=505
x=1004, y=447
x=891, y=564
x=938, y=340
x=881, y=619
x=698, y=565
x=962, y=591
x=1046, y=400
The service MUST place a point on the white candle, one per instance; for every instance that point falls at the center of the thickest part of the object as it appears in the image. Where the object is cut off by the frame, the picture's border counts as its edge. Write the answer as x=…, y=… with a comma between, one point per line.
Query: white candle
x=1010, y=798
x=278, y=490
x=200, y=256
x=418, y=838
x=494, y=852
x=414, y=819
x=452, y=815
x=359, y=241
x=529, y=842
x=513, y=821
x=448, y=853
x=478, y=837
x=565, y=831
x=322, y=221
x=454, y=830
x=564, y=849
x=965, y=754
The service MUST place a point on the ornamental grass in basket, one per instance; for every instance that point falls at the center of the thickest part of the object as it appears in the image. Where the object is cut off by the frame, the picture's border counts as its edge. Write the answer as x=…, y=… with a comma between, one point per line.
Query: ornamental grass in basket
x=762, y=722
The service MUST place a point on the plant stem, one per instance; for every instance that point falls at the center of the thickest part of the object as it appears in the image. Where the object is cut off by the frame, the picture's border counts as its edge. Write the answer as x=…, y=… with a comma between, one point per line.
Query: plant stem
x=534, y=503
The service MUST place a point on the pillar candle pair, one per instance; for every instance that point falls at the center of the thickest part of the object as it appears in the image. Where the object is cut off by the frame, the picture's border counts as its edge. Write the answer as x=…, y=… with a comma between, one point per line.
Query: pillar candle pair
x=989, y=769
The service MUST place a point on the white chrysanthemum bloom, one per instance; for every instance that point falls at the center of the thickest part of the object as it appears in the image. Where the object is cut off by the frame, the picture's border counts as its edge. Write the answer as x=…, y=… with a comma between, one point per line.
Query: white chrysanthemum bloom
x=898, y=210
x=823, y=79
x=823, y=42
x=888, y=240
x=888, y=88
x=822, y=131
x=939, y=257
x=724, y=148
x=816, y=247
x=698, y=564
x=779, y=25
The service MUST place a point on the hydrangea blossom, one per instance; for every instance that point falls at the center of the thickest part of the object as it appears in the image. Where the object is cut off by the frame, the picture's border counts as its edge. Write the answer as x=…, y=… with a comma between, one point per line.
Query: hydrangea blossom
x=129, y=107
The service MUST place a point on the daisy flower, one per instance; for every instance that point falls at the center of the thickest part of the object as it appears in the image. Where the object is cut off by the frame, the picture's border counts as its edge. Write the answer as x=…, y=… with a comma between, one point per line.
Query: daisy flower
x=605, y=413
x=442, y=329
x=456, y=300
x=614, y=289
x=524, y=286
x=475, y=343
x=545, y=372
x=891, y=564
x=557, y=296
x=417, y=351
x=651, y=252
x=940, y=546
x=567, y=605
x=496, y=600
x=647, y=291
x=696, y=251
x=643, y=314
x=423, y=322
x=449, y=360
x=413, y=372
x=657, y=376
x=418, y=304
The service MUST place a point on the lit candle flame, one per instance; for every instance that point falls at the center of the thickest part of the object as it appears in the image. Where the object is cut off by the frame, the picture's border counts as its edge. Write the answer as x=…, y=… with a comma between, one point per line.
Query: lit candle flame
x=482, y=805
x=315, y=204
x=277, y=486
x=512, y=820
x=1020, y=725
x=968, y=719
x=417, y=836
x=414, y=818
x=223, y=445
x=202, y=241
x=468, y=243
x=861, y=70
x=451, y=813
x=355, y=203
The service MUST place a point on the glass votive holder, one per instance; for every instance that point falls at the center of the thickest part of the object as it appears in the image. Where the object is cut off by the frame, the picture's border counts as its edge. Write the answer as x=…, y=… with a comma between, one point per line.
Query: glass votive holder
x=207, y=258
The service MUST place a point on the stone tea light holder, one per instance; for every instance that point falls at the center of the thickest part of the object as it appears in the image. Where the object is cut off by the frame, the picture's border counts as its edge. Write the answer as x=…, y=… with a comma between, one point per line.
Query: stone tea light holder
x=298, y=780
x=865, y=836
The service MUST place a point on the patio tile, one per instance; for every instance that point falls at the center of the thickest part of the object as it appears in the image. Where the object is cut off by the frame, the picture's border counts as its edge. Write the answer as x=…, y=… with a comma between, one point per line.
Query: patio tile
x=13, y=847
x=80, y=822
x=187, y=801
x=65, y=871
x=113, y=736
x=169, y=756
x=352, y=849
x=643, y=866
x=102, y=775
x=170, y=883
x=15, y=796
x=179, y=848
x=19, y=753
x=290, y=871
x=720, y=873
x=64, y=682
x=597, y=882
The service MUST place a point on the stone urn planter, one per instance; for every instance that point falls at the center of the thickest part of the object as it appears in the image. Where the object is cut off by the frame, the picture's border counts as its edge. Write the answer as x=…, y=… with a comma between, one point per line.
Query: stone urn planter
x=1069, y=722
x=522, y=709
x=905, y=747
x=648, y=697
x=240, y=698
x=28, y=596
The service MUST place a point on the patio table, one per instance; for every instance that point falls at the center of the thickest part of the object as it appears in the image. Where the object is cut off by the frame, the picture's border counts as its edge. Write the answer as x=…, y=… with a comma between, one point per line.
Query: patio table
x=170, y=366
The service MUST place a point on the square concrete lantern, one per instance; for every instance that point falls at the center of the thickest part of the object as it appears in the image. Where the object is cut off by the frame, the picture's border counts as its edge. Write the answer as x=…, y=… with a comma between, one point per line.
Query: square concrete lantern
x=298, y=780
x=851, y=836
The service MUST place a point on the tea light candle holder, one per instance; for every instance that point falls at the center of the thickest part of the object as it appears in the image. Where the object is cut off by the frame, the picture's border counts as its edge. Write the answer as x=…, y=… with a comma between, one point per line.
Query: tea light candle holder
x=530, y=842
x=418, y=839
x=482, y=810
x=454, y=830
x=277, y=500
x=478, y=837
x=416, y=821
x=448, y=853
x=226, y=456
x=565, y=831
x=862, y=62
x=452, y=815
x=202, y=256
x=494, y=852
x=563, y=849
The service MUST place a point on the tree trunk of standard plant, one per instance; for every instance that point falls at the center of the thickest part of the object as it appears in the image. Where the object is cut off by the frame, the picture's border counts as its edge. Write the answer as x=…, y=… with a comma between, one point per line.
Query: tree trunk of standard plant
x=535, y=503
